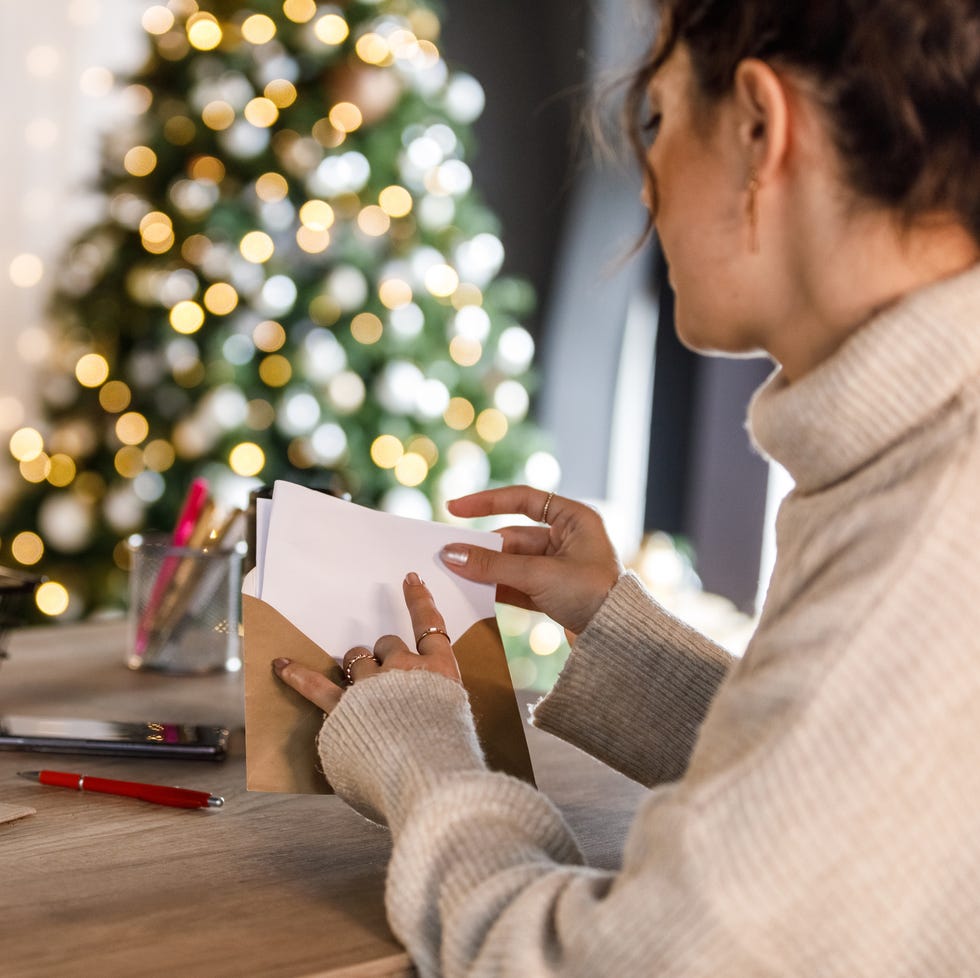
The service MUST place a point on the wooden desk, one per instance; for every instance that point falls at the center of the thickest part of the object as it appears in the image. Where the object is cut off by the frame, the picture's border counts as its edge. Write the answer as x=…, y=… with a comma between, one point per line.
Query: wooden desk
x=277, y=885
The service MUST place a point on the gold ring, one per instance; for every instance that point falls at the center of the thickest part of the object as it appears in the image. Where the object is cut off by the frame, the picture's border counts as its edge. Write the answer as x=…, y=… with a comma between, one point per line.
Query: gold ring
x=357, y=658
x=431, y=630
x=547, y=506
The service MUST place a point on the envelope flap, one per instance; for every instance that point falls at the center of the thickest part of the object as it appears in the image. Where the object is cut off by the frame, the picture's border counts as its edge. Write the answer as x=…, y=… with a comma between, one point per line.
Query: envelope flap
x=280, y=725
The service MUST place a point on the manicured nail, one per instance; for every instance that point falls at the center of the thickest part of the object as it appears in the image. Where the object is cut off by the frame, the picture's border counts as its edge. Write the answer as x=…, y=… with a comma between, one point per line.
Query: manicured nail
x=280, y=664
x=454, y=555
x=413, y=578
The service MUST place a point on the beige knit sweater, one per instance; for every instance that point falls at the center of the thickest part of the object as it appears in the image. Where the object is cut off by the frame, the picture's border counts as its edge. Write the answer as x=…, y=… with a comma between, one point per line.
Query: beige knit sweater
x=816, y=806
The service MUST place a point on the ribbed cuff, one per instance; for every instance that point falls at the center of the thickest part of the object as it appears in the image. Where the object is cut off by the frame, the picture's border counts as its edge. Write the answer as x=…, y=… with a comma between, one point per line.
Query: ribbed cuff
x=395, y=736
x=636, y=687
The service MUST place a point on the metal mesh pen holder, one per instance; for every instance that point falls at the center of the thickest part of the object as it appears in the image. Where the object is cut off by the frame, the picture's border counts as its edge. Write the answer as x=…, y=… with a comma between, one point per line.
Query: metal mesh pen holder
x=184, y=607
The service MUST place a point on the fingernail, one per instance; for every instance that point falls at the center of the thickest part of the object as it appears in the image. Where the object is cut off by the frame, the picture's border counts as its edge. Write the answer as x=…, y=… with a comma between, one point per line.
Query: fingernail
x=454, y=555
x=413, y=578
x=280, y=664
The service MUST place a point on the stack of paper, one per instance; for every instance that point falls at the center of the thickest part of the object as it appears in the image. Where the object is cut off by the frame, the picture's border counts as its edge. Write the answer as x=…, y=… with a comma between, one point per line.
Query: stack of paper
x=328, y=577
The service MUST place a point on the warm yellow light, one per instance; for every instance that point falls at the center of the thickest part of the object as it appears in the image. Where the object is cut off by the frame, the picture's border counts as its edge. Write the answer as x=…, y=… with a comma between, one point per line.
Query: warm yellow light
x=373, y=49
x=206, y=168
x=545, y=638
x=345, y=116
x=220, y=298
x=411, y=469
x=159, y=455
x=261, y=112
x=132, y=428
x=425, y=23
x=386, y=450
x=157, y=20
x=299, y=11
x=258, y=29
x=491, y=425
x=151, y=224
x=256, y=247
x=459, y=414
x=425, y=447
x=271, y=187
x=441, y=280
x=51, y=598
x=331, y=29
x=317, y=215
x=246, y=459
x=366, y=328
x=312, y=242
x=429, y=53
x=465, y=351
x=261, y=414
x=394, y=293
x=269, y=336
x=280, y=92
x=155, y=228
x=140, y=161
x=27, y=548
x=179, y=130
x=37, y=469
x=92, y=370
x=129, y=461
x=218, y=115
x=373, y=221
x=62, y=470
x=326, y=135
x=395, y=201
x=275, y=370
x=187, y=317
x=204, y=31
x=26, y=270
x=467, y=295
x=115, y=396
x=25, y=444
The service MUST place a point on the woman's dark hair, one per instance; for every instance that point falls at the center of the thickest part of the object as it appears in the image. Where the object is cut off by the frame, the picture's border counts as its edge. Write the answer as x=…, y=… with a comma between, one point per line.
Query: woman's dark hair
x=898, y=81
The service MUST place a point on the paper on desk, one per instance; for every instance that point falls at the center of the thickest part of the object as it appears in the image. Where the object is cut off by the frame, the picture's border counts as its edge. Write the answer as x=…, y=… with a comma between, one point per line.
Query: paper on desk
x=331, y=579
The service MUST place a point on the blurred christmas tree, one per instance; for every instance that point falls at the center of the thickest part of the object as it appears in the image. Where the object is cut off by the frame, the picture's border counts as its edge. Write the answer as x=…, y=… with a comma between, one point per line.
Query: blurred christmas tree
x=293, y=278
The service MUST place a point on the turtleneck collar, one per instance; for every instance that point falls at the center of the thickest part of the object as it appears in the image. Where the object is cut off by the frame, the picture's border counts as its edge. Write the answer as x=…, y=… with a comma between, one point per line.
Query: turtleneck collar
x=888, y=377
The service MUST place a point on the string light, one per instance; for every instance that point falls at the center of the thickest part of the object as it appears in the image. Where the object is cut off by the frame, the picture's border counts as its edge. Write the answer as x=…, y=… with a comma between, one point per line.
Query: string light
x=284, y=324
x=331, y=29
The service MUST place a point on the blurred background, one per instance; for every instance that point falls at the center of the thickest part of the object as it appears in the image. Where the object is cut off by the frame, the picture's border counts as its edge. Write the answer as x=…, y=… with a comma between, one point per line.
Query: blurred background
x=622, y=415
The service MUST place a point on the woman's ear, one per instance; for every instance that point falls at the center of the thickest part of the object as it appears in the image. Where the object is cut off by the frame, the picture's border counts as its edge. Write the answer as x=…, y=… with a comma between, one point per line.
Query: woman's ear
x=761, y=104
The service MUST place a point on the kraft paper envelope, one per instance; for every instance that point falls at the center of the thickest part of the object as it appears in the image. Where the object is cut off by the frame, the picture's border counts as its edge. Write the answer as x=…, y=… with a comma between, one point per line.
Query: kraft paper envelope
x=331, y=579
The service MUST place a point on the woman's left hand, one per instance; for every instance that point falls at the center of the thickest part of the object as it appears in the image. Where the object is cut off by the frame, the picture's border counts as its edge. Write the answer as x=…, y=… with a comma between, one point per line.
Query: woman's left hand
x=433, y=653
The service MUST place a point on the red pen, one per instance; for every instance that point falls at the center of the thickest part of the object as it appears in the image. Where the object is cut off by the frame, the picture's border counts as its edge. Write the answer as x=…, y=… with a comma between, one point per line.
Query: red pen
x=159, y=794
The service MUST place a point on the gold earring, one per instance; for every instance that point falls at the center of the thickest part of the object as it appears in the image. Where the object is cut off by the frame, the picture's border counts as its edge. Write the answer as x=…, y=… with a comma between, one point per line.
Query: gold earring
x=753, y=190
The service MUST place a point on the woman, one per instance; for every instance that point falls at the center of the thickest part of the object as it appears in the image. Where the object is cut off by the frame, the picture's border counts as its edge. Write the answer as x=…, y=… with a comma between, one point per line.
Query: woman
x=817, y=807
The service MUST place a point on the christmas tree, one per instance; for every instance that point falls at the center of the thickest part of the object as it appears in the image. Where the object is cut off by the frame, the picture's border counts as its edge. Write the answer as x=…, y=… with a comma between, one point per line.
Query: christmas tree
x=293, y=278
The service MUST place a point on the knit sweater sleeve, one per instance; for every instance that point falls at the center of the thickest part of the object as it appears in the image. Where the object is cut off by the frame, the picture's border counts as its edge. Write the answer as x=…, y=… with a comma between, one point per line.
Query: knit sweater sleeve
x=636, y=687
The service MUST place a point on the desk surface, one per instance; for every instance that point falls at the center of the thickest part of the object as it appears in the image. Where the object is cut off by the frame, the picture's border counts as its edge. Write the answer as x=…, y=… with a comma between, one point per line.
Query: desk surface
x=278, y=885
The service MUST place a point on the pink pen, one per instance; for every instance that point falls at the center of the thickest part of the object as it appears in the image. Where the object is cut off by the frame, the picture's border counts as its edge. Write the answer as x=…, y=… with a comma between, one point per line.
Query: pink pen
x=197, y=496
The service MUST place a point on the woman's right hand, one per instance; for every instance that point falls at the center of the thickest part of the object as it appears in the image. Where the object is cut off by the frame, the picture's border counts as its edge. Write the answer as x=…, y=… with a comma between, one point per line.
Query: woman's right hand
x=564, y=569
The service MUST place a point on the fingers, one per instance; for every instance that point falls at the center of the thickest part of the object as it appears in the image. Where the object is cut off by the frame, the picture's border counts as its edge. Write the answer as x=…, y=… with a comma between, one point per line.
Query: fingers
x=427, y=624
x=510, y=499
x=532, y=541
x=310, y=684
x=489, y=566
x=360, y=662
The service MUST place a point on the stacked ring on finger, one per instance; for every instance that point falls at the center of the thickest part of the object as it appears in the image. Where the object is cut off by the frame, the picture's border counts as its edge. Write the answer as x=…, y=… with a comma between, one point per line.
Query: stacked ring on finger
x=350, y=665
x=431, y=630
